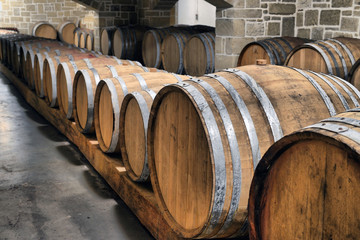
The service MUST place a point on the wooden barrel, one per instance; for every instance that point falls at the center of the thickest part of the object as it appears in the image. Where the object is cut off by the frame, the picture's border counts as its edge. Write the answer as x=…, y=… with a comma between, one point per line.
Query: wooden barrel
x=106, y=37
x=113, y=91
x=34, y=64
x=77, y=33
x=151, y=47
x=66, y=32
x=206, y=136
x=44, y=29
x=65, y=76
x=39, y=64
x=33, y=44
x=273, y=50
x=50, y=67
x=172, y=52
x=307, y=184
x=333, y=56
x=354, y=74
x=135, y=108
x=199, y=54
x=84, y=87
x=89, y=41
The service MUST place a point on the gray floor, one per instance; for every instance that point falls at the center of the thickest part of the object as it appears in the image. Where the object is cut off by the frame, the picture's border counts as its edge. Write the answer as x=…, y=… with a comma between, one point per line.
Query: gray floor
x=47, y=189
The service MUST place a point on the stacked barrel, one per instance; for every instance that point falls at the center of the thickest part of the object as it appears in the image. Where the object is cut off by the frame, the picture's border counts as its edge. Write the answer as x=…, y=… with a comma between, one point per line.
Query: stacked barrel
x=180, y=49
x=200, y=140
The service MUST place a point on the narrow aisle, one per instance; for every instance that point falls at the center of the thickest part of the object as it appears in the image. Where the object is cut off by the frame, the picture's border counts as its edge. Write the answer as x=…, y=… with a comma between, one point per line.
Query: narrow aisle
x=47, y=188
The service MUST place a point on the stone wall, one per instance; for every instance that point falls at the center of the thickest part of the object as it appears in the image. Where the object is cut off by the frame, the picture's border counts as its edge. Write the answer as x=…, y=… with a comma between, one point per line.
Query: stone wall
x=251, y=20
x=94, y=15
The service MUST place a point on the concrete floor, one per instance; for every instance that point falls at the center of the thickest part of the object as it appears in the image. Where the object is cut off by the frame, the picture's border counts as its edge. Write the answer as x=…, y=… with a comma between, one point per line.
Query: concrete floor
x=47, y=188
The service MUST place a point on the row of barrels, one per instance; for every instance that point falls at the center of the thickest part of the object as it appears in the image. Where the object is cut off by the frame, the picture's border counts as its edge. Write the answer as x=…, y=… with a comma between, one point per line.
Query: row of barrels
x=199, y=141
x=67, y=32
x=180, y=49
x=338, y=56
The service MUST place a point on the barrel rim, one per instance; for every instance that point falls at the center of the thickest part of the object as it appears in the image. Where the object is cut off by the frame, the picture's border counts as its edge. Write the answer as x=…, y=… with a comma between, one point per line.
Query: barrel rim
x=271, y=156
x=153, y=173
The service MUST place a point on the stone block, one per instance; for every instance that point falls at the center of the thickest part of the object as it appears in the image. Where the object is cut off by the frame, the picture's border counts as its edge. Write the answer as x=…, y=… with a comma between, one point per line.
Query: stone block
x=303, y=33
x=317, y=33
x=342, y=34
x=273, y=29
x=235, y=45
x=243, y=13
x=254, y=29
x=328, y=35
x=282, y=8
x=330, y=17
x=349, y=24
x=30, y=8
x=264, y=5
x=357, y=13
x=304, y=4
x=311, y=17
x=252, y=3
x=299, y=19
x=321, y=5
x=219, y=45
x=347, y=13
x=230, y=27
x=225, y=61
x=288, y=26
x=237, y=3
x=341, y=3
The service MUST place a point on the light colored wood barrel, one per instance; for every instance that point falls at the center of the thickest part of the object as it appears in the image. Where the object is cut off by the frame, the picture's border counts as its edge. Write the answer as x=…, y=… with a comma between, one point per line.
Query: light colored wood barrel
x=77, y=33
x=65, y=76
x=134, y=115
x=84, y=87
x=307, y=185
x=45, y=30
x=151, y=47
x=89, y=41
x=39, y=65
x=66, y=31
x=106, y=37
x=50, y=67
x=199, y=54
x=273, y=50
x=333, y=56
x=206, y=136
x=114, y=90
x=172, y=52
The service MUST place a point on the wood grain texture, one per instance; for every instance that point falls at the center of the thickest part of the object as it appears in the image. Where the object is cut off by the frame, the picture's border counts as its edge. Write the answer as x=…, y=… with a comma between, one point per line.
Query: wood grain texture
x=297, y=99
x=307, y=185
x=273, y=50
x=140, y=199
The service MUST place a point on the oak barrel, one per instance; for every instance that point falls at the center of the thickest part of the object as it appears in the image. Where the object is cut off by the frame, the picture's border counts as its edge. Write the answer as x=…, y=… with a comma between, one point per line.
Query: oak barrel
x=151, y=46
x=354, y=74
x=65, y=76
x=39, y=65
x=172, y=52
x=84, y=87
x=109, y=96
x=77, y=33
x=66, y=32
x=89, y=41
x=273, y=50
x=333, y=56
x=50, y=66
x=44, y=29
x=206, y=136
x=199, y=54
x=307, y=185
x=106, y=37
x=134, y=115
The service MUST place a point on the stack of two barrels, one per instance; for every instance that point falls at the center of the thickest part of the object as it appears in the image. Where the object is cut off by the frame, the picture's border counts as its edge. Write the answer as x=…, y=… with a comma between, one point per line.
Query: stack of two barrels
x=181, y=49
